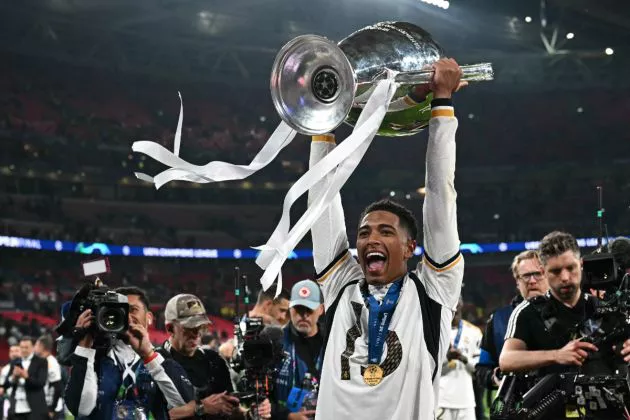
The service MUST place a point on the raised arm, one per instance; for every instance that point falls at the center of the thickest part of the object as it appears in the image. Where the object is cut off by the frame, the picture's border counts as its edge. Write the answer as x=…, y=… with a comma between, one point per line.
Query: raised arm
x=443, y=263
x=334, y=265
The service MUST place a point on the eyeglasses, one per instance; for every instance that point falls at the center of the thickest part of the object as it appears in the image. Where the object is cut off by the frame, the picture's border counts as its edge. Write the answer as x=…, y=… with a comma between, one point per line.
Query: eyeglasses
x=536, y=275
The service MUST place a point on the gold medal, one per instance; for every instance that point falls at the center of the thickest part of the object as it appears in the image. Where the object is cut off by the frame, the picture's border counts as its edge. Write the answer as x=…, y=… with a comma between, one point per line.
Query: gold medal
x=373, y=375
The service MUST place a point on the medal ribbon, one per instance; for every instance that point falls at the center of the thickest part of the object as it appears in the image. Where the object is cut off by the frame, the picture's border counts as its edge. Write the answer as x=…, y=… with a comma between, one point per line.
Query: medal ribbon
x=380, y=315
x=460, y=327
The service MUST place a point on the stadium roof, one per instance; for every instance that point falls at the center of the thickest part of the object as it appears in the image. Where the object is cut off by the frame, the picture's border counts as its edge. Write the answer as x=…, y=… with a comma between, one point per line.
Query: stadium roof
x=220, y=39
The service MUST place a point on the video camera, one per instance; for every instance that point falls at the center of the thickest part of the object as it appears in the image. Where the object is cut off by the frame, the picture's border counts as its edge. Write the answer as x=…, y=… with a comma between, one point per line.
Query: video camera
x=602, y=385
x=609, y=325
x=527, y=397
x=110, y=309
x=257, y=351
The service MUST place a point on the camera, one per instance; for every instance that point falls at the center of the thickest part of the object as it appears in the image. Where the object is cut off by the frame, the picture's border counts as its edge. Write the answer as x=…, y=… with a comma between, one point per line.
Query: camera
x=609, y=324
x=531, y=397
x=110, y=309
x=257, y=346
x=601, y=387
x=258, y=351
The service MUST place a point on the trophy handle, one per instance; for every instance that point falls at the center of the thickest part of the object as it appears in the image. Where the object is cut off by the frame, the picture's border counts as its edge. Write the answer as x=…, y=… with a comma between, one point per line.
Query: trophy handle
x=470, y=73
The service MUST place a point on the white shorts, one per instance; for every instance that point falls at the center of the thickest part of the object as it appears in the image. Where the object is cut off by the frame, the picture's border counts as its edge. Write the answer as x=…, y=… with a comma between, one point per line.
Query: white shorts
x=455, y=414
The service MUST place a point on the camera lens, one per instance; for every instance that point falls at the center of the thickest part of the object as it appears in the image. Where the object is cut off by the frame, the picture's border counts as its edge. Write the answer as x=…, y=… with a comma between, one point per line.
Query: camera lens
x=112, y=319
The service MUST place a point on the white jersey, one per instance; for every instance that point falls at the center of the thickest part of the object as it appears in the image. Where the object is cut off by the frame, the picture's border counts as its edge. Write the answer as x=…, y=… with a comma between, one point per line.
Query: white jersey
x=54, y=375
x=4, y=373
x=419, y=331
x=456, y=386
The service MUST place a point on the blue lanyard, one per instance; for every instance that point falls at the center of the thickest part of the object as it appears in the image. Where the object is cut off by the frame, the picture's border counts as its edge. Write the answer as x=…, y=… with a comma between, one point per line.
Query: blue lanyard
x=460, y=327
x=294, y=381
x=380, y=315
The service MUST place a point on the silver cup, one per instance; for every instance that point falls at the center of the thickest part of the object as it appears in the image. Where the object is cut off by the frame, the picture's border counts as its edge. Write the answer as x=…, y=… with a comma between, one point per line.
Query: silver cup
x=316, y=84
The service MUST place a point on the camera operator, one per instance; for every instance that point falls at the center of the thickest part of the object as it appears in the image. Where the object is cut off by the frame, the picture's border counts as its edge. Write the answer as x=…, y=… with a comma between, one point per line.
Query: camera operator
x=186, y=321
x=14, y=354
x=530, y=282
x=125, y=380
x=541, y=333
x=273, y=310
x=303, y=346
x=25, y=384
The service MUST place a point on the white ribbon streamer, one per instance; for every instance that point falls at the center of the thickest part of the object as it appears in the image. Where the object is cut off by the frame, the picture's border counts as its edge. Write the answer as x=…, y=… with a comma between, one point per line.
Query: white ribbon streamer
x=215, y=171
x=343, y=160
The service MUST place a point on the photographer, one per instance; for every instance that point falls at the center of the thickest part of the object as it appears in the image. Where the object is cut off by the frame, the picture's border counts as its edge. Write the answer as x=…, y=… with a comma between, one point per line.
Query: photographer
x=125, y=380
x=542, y=333
x=303, y=345
x=186, y=321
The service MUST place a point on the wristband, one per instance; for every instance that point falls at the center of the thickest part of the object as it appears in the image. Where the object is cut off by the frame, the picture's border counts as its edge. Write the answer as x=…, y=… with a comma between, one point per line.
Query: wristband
x=151, y=357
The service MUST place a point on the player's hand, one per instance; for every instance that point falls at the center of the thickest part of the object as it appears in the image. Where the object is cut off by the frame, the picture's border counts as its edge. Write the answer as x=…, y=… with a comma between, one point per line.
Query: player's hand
x=446, y=78
x=219, y=404
x=453, y=354
x=574, y=353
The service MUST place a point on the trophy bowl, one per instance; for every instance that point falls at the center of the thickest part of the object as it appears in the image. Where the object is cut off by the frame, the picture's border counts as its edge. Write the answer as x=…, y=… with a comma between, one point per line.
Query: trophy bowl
x=317, y=84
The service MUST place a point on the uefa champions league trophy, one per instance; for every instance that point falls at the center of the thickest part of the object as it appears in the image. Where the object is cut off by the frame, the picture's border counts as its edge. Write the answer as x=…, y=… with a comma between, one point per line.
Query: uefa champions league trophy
x=317, y=84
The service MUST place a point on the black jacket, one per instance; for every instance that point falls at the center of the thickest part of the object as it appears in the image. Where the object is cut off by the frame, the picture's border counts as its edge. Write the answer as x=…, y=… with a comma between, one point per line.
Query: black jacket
x=34, y=386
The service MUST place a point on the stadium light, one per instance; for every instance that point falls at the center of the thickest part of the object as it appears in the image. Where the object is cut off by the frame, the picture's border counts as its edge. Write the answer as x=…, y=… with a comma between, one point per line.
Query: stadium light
x=444, y=4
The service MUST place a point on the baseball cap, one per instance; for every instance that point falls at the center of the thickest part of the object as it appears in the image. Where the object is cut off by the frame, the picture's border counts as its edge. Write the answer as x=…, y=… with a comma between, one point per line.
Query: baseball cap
x=187, y=310
x=305, y=293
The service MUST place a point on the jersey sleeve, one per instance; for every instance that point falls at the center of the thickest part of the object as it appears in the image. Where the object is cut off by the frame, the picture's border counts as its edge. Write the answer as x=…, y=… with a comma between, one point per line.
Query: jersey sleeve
x=518, y=325
x=442, y=267
x=334, y=265
x=54, y=370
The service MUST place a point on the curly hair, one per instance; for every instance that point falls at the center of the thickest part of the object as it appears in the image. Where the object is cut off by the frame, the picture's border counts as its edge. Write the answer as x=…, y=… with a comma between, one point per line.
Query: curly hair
x=407, y=219
x=557, y=243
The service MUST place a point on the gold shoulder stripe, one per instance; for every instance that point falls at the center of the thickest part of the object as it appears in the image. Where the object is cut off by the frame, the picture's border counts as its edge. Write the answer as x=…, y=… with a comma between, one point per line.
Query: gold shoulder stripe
x=441, y=269
x=334, y=268
x=327, y=138
x=443, y=112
